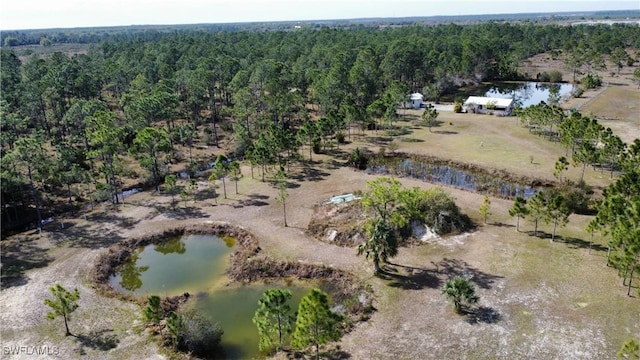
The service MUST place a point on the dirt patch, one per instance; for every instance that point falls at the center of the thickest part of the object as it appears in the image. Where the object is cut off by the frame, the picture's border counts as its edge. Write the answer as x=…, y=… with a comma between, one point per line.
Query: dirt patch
x=340, y=224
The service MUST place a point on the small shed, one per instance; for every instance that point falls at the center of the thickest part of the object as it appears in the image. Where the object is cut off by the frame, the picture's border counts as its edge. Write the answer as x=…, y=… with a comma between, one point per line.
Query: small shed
x=489, y=105
x=416, y=100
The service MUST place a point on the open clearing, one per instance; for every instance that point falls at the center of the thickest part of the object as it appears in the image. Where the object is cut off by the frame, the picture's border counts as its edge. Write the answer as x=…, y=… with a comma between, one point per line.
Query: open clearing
x=539, y=300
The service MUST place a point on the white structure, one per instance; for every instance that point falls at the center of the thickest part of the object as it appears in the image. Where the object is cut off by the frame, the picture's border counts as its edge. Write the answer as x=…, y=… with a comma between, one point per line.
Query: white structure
x=488, y=105
x=416, y=100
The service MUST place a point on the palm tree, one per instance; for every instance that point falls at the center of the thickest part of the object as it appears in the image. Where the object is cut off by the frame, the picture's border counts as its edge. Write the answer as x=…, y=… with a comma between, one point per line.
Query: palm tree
x=382, y=244
x=459, y=290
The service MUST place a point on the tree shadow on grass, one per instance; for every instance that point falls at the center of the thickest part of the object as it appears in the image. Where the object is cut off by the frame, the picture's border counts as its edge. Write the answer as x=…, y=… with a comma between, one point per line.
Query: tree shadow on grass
x=190, y=212
x=411, y=140
x=456, y=267
x=573, y=243
x=310, y=174
x=102, y=340
x=412, y=279
x=252, y=200
x=88, y=236
x=483, y=314
x=18, y=256
x=576, y=243
x=501, y=224
x=380, y=140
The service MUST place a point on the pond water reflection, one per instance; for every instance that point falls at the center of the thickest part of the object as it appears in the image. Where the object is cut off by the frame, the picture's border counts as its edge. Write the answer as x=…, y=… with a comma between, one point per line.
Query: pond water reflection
x=527, y=93
x=196, y=264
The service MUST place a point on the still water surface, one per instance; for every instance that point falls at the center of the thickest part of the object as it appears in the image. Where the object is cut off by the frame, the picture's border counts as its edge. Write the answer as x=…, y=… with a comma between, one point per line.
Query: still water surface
x=196, y=264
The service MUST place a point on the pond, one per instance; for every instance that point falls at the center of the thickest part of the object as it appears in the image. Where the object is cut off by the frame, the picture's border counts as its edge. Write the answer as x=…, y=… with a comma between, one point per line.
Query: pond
x=196, y=264
x=527, y=93
x=524, y=93
x=452, y=176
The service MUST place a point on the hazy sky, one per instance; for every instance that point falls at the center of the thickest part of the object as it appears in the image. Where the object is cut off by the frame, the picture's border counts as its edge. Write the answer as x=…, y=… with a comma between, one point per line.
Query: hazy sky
x=39, y=14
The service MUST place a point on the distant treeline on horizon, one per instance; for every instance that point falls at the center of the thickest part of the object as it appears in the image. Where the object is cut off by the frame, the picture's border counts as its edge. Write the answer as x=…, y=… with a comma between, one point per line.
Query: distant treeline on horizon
x=89, y=35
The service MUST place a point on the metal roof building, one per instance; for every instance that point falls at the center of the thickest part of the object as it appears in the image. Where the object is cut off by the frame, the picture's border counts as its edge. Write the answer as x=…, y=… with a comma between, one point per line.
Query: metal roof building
x=482, y=105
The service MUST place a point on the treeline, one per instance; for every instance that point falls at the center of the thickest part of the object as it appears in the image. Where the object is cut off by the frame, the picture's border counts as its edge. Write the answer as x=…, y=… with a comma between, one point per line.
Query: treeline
x=71, y=124
x=92, y=35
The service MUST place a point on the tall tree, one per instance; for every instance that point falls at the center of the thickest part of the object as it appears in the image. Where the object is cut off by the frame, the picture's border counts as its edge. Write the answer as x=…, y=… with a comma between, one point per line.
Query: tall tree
x=29, y=157
x=105, y=138
x=619, y=216
x=234, y=168
x=537, y=210
x=382, y=196
x=220, y=171
x=561, y=166
x=274, y=318
x=316, y=324
x=149, y=145
x=64, y=302
x=557, y=212
x=519, y=210
x=283, y=193
x=619, y=57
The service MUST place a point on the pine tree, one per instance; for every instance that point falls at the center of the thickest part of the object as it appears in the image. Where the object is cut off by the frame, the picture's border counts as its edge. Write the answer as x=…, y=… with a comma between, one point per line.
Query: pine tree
x=153, y=311
x=273, y=318
x=485, y=208
x=63, y=304
x=316, y=324
x=519, y=210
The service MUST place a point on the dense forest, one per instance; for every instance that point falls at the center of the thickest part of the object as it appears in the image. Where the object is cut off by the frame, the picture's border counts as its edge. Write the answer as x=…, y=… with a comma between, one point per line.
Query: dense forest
x=71, y=124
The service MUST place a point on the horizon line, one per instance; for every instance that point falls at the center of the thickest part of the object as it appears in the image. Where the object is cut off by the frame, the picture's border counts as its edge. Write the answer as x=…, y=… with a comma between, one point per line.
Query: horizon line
x=552, y=13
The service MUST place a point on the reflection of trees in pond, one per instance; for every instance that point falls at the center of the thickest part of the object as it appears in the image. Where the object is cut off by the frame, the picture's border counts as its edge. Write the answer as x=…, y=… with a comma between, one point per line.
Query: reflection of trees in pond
x=171, y=246
x=130, y=274
x=228, y=240
x=554, y=94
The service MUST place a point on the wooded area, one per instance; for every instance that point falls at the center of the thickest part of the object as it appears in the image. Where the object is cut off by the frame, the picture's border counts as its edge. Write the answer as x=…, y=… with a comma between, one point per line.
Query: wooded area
x=137, y=110
x=68, y=121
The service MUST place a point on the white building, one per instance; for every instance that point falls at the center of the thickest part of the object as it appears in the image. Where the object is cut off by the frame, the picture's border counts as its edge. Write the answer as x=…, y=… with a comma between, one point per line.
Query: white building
x=416, y=100
x=488, y=105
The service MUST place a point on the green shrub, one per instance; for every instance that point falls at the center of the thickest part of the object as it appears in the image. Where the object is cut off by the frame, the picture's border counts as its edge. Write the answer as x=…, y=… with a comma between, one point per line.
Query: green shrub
x=591, y=81
x=457, y=107
x=555, y=76
x=199, y=335
x=544, y=77
x=340, y=137
x=358, y=159
x=577, y=92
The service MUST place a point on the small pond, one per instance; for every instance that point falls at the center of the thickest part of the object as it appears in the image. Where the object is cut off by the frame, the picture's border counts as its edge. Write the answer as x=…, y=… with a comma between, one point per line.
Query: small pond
x=196, y=264
x=524, y=93
x=452, y=176
x=527, y=93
